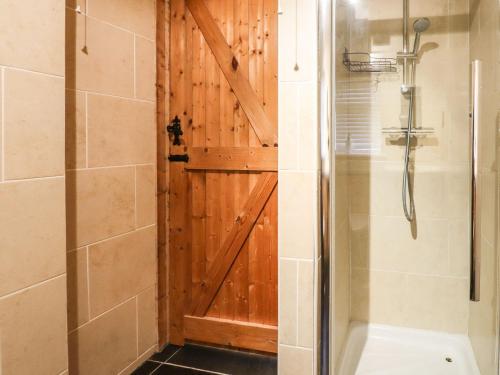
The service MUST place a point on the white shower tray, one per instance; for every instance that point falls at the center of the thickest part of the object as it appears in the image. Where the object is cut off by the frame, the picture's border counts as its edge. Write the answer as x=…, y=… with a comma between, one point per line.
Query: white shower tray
x=387, y=350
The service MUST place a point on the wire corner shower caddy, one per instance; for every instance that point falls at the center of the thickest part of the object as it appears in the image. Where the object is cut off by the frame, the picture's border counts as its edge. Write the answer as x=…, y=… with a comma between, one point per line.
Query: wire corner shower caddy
x=364, y=62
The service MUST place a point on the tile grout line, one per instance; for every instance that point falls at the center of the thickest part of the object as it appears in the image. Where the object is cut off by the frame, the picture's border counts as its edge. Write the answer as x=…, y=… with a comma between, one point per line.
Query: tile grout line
x=87, y=254
x=40, y=283
x=440, y=276
x=134, y=63
x=136, y=364
x=172, y=356
x=196, y=369
x=135, y=196
x=29, y=179
x=101, y=314
x=166, y=361
x=137, y=324
x=297, y=304
x=117, y=236
x=86, y=130
x=12, y=67
x=110, y=238
x=110, y=166
x=156, y=368
x=297, y=347
x=97, y=93
x=86, y=14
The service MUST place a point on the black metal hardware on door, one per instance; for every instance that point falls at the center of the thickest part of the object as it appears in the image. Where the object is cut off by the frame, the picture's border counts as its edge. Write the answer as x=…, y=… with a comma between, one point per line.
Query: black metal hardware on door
x=179, y=158
x=175, y=129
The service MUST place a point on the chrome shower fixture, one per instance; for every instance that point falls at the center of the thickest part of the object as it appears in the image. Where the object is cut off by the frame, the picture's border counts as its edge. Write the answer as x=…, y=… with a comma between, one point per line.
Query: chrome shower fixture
x=419, y=26
x=409, y=60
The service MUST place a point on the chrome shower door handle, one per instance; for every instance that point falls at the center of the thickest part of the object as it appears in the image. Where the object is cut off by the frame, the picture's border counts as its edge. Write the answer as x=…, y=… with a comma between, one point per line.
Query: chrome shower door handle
x=475, y=277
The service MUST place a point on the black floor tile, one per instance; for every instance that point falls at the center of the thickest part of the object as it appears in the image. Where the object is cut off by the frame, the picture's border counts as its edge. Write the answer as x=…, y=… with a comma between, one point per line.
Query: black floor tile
x=174, y=370
x=146, y=368
x=165, y=354
x=225, y=361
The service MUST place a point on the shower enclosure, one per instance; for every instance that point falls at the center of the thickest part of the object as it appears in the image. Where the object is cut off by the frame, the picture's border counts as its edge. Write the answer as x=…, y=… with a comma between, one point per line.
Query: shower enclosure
x=414, y=186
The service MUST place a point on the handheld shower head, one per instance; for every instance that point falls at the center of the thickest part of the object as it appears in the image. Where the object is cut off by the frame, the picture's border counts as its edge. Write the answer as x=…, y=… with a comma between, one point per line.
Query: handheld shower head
x=421, y=25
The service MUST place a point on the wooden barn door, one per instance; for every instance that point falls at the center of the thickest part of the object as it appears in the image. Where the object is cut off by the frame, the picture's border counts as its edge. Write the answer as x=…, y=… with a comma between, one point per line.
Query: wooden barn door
x=223, y=174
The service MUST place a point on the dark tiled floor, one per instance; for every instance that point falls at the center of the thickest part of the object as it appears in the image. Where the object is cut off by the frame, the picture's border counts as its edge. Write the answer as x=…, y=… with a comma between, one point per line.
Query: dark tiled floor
x=203, y=360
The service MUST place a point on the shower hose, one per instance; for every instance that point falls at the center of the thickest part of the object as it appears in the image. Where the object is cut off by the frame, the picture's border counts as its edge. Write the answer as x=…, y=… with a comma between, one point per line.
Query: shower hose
x=407, y=193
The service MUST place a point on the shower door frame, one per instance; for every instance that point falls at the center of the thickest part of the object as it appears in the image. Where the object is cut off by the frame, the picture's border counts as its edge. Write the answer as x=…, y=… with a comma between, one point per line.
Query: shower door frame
x=326, y=98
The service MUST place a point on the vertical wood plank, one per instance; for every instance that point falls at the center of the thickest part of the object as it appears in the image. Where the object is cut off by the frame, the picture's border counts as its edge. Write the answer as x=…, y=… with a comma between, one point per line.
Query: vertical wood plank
x=212, y=196
x=179, y=238
x=227, y=139
x=256, y=80
x=270, y=103
x=162, y=176
x=198, y=178
x=241, y=138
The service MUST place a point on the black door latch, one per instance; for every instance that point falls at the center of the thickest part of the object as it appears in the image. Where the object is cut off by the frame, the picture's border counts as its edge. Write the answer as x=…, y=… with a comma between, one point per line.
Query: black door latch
x=179, y=158
x=175, y=129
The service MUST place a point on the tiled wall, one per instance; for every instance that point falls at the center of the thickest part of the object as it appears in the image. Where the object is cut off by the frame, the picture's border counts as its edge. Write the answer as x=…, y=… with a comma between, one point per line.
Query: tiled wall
x=32, y=227
x=111, y=184
x=409, y=275
x=297, y=185
x=483, y=321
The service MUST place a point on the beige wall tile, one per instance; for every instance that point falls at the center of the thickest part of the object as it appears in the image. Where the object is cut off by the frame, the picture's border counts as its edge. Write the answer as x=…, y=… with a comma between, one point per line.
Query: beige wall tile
x=76, y=129
x=145, y=195
x=459, y=230
x=120, y=131
x=389, y=243
x=33, y=330
x=300, y=50
x=437, y=303
x=100, y=204
x=78, y=298
x=488, y=208
x=34, y=139
x=96, y=63
x=378, y=297
x=32, y=239
x=305, y=318
x=294, y=361
x=33, y=35
x=134, y=15
x=120, y=268
x=147, y=319
x=288, y=302
x=145, y=69
x=308, y=133
x=297, y=210
x=107, y=344
x=440, y=190
x=288, y=129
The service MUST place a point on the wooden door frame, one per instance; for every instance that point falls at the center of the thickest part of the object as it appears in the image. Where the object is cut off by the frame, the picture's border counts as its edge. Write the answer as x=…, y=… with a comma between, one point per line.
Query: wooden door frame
x=261, y=337
x=162, y=149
